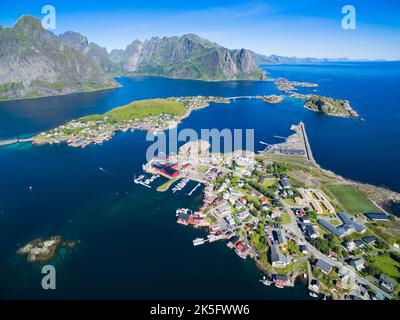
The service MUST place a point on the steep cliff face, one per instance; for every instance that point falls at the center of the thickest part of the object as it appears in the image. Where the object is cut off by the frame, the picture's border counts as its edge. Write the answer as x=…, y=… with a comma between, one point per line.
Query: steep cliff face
x=189, y=56
x=34, y=62
x=95, y=52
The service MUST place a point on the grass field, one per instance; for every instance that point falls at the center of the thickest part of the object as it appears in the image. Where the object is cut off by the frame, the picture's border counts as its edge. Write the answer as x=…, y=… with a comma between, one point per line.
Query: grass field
x=387, y=265
x=141, y=109
x=350, y=199
x=269, y=182
x=165, y=186
x=285, y=218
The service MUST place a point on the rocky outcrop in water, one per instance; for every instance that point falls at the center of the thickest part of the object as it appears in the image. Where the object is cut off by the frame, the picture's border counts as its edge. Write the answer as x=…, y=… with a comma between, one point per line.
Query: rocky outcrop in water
x=330, y=106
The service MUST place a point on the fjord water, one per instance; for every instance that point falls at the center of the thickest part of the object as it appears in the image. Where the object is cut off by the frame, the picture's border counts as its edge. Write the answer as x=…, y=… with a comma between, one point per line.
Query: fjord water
x=129, y=243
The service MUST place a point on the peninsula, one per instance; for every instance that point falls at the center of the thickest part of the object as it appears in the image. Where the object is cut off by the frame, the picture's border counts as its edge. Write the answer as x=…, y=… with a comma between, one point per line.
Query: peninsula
x=293, y=218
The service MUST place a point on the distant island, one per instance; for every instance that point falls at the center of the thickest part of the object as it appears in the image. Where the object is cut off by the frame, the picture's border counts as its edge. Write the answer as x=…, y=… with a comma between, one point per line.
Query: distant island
x=330, y=106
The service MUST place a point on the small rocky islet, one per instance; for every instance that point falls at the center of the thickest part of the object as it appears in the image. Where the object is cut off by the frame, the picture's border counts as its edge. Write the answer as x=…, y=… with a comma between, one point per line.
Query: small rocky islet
x=44, y=250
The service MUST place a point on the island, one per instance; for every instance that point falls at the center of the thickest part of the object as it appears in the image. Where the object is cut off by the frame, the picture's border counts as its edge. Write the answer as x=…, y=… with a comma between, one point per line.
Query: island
x=149, y=115
x=330, y=106
x=294, y=219
x=289, y=86
x=44, y=250
x=272, y=98
x=158, y=114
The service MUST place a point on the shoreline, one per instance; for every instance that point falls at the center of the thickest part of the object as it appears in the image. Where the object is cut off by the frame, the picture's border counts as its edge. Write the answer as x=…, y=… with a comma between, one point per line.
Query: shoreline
x=216, y=196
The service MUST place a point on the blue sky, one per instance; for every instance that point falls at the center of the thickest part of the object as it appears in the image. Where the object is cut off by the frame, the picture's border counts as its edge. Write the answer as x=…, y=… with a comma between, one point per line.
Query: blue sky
x=286, y=27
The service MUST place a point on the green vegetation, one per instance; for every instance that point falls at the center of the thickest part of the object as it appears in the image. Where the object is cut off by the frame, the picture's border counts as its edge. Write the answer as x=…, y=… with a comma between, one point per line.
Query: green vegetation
x=284, y=218
x=385, y=263
x=293, y=248
x=145, y=108
x=289, y=268
x=330, y=106
x=328, y=243
x=165, y=186
x=264, y=263
x=258, y=239
x=278, y=168
x=350, y=199
x=388, y=231
x=139, y=110
x=53, y=85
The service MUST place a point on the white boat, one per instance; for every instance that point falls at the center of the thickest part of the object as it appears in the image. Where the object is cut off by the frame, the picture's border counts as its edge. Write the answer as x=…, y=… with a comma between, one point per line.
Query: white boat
x=138, y=179
x=265, y=281
x=182, y=210
x=198, y=241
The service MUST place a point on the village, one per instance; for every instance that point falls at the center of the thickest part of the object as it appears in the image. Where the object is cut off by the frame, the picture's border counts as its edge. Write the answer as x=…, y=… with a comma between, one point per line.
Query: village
x=154, y=117
x=290, y=230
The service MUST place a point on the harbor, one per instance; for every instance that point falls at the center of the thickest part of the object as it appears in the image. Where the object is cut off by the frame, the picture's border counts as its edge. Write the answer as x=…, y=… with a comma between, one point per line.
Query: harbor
x=146, y=182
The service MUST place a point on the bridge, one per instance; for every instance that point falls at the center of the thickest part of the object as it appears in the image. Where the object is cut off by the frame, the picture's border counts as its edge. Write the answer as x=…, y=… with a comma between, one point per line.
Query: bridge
x=13, y=141
x=242, y=97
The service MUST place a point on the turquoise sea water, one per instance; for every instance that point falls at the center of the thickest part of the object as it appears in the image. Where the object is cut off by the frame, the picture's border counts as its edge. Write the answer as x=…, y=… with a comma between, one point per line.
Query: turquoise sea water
x=129, y=243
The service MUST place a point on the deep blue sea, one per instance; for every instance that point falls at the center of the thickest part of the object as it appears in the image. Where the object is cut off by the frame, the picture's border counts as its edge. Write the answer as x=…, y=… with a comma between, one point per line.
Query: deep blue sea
x=129, y=243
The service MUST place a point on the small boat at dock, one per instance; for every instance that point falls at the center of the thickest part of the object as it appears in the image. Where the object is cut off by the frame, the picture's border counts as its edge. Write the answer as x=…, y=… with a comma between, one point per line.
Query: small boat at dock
x=180, y=185
x=265, y=281
x=198, y=241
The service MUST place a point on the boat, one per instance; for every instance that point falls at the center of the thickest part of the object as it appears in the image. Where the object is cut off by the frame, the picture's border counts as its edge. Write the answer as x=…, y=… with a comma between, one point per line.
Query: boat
x=198, y=241
x=265, y=281
x=183, y=210
x=180, y=185
x=138, y=179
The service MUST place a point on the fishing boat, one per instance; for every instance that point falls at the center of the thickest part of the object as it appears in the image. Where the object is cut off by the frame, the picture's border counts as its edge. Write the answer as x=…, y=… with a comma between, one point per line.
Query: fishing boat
x=183, y=210
x=138, y=179
x=198, y=241
x=265, y=281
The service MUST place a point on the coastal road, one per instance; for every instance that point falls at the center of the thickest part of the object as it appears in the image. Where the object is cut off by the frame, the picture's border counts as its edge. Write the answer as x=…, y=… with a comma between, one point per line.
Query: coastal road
x=292, y=226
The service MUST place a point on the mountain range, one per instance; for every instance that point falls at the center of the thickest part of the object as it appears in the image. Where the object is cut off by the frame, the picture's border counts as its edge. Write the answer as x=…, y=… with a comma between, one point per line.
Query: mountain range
x=188, y=57
x=274, y=59
x=34, y=62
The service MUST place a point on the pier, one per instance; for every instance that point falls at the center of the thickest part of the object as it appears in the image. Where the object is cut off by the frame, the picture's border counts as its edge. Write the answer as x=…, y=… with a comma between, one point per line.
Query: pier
x=194, y=189
x=307, y=143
